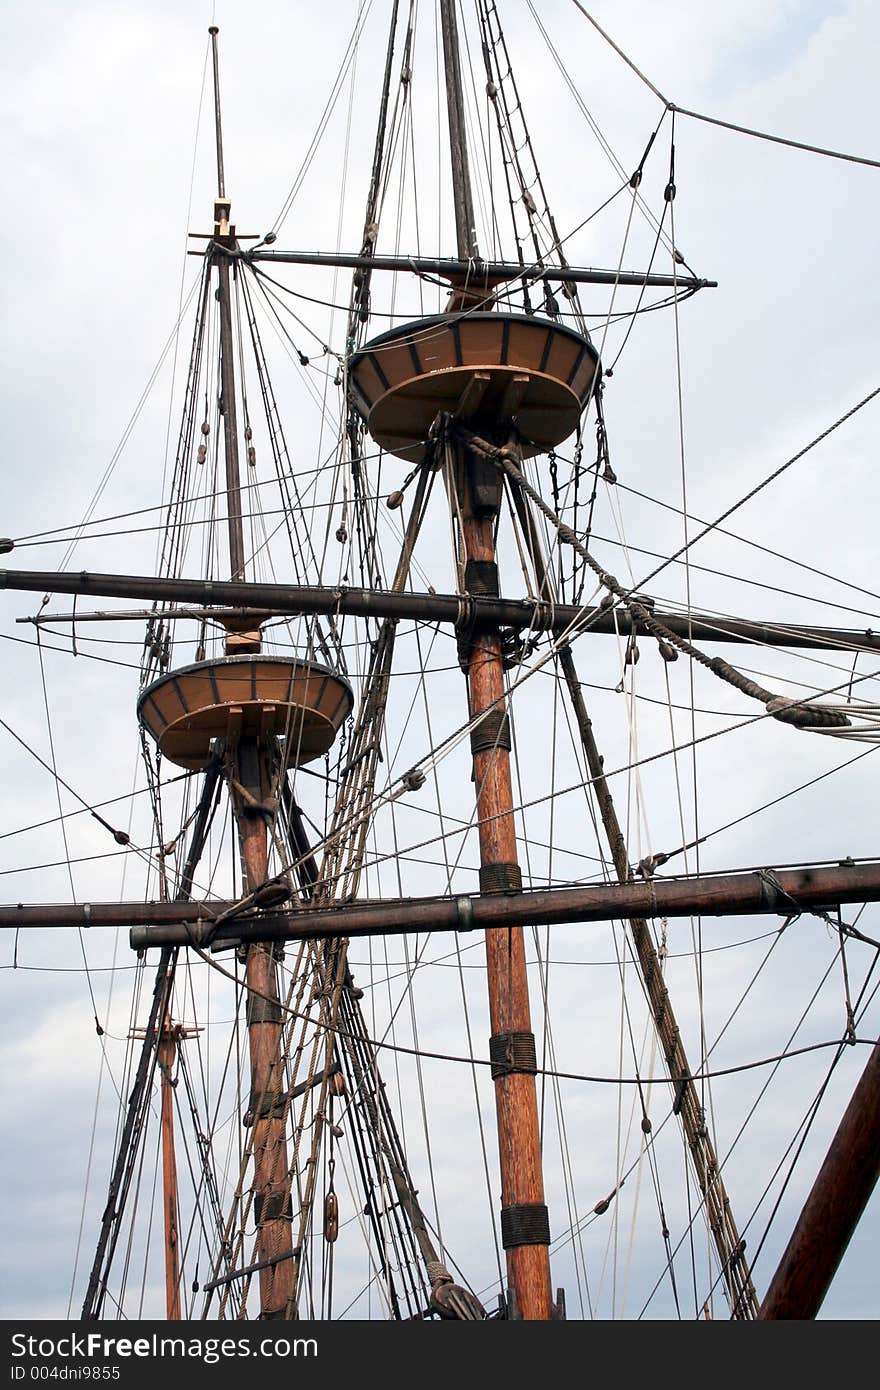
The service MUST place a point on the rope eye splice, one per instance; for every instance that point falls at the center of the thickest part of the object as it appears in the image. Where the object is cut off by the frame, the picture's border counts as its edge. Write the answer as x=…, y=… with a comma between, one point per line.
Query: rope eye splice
x=859, y=722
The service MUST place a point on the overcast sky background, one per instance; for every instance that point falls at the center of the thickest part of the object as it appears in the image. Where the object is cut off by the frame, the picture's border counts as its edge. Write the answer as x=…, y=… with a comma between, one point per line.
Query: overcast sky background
x=100, y=108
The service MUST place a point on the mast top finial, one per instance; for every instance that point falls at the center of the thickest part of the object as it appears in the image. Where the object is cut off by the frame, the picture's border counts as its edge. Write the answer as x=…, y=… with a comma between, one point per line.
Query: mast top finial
x=212, y=29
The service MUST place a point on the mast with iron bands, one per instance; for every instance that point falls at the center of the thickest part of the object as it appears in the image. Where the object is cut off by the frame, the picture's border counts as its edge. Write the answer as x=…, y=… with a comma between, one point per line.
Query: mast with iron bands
x=246, y=770
x=525, y=1226
x=476, y=370
x=524, y=381
x=237, y=707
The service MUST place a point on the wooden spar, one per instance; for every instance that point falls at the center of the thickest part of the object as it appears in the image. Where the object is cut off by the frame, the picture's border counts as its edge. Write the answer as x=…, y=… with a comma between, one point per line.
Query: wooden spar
x=754, y=892
x=479, y=271
x=832, y=1210
x=260, y=600
x=271, y=1180
x=166, y=1057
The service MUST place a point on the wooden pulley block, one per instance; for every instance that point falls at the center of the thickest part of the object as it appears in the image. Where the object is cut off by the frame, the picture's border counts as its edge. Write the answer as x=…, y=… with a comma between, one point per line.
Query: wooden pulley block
x=331, y=1217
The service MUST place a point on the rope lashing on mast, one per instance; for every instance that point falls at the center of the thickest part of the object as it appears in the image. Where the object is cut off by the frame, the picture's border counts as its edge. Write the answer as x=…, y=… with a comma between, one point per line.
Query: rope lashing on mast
x=801, y=713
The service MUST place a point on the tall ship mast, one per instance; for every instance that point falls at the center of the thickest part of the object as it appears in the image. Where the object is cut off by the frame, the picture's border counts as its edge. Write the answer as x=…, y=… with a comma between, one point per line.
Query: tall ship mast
x=454, y=971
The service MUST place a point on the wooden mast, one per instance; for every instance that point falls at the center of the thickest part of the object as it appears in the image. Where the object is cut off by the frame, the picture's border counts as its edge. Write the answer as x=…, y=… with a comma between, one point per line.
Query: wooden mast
x=167, y=1050
x=225, y=236
x=833, y=1209
x=462, y=197
x=525, y=1230
x=271, y=1184
x=248, y=772
x=171, y=1035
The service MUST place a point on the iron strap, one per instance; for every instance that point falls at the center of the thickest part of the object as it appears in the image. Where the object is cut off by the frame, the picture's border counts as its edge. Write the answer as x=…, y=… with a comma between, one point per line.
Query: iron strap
x=525, y=1224
x=501, y=877
x=512, y=1052
x=493, y=731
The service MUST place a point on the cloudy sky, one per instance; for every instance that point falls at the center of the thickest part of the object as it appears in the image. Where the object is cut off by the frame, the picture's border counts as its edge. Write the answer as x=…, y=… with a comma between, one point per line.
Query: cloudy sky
x=107, y=158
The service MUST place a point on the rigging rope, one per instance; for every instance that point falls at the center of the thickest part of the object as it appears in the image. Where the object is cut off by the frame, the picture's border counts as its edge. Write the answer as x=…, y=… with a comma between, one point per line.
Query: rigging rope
x=715, y=120
x=801, y=713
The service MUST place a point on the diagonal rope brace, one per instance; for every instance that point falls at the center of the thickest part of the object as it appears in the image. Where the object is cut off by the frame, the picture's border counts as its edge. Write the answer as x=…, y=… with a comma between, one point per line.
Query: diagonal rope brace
x=798, y=712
